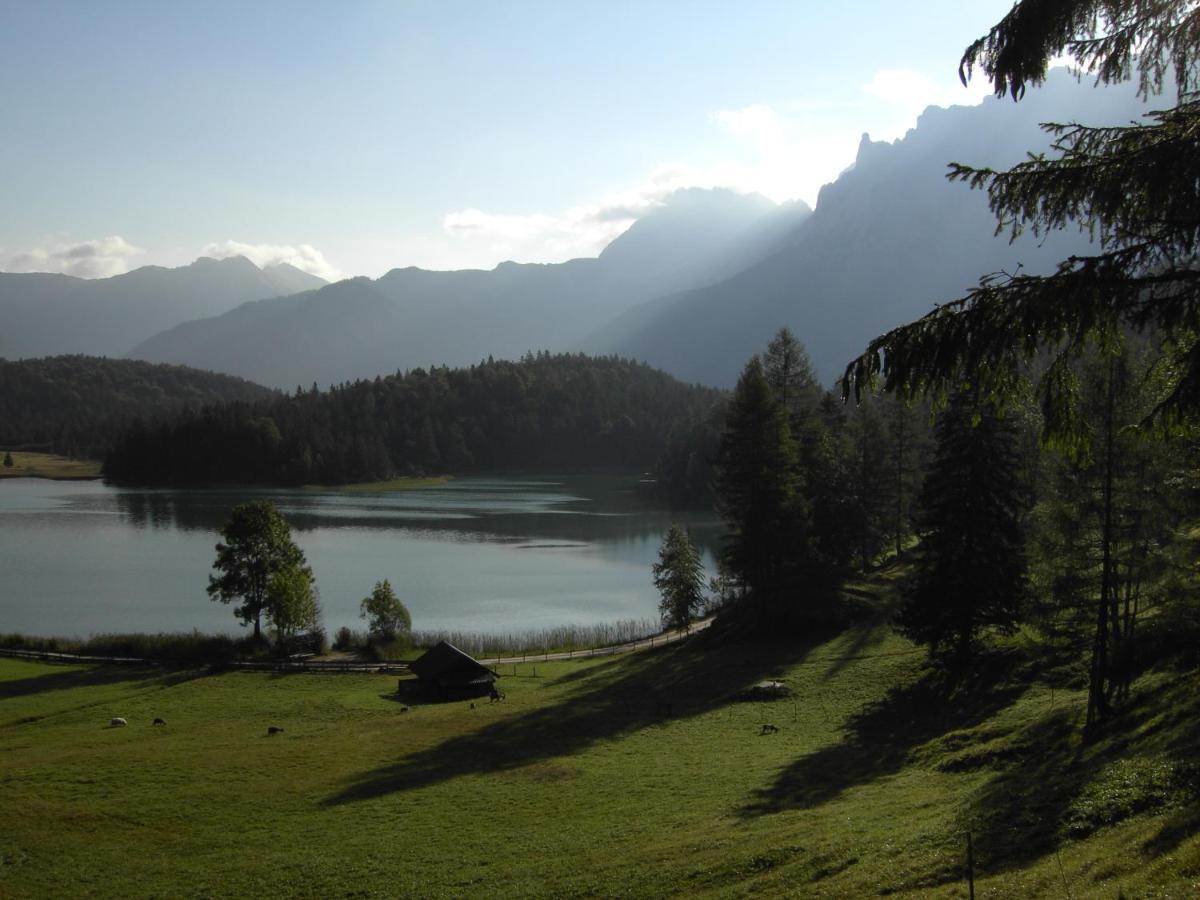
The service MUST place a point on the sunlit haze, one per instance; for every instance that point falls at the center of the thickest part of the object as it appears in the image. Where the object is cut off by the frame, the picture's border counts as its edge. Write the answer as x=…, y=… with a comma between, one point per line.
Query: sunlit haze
x=352, y=139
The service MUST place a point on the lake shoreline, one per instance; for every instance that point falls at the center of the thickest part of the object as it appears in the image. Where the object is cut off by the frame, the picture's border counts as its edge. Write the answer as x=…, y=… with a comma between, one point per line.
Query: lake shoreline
x=51, y=467
x=388, y=485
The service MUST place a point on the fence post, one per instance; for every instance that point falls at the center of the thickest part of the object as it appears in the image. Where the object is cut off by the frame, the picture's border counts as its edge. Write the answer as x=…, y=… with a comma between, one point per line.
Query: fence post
x=970, y=868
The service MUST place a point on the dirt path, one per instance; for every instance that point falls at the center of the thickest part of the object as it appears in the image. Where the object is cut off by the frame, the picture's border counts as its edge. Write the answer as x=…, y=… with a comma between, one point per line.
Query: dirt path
x=657, y=640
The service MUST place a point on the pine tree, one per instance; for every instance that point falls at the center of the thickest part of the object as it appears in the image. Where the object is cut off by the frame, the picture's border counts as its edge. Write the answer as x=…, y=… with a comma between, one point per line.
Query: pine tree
x=679, y=577
x=757, y=490
x=790, y=373
x=1137, y=187
x=970, y=568
x=8, y=459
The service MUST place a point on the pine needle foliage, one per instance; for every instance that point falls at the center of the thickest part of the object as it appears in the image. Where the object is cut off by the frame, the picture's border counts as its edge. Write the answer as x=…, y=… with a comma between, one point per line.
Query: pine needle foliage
x=1135, y=187
x=679, y=577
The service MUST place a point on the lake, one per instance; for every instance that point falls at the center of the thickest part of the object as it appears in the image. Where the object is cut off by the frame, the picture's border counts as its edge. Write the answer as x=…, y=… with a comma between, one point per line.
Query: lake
x=475, y=554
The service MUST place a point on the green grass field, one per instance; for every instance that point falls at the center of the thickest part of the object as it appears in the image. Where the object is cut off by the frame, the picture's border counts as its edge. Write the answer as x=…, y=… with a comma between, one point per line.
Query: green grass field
x=47, y=465
x=639, y=775
x=388, y=486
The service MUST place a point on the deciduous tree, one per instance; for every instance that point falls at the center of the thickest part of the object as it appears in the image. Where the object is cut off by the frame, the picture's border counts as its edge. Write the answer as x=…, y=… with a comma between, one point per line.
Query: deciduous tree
x=257, y=545
x=292, y=602
x=387, y=617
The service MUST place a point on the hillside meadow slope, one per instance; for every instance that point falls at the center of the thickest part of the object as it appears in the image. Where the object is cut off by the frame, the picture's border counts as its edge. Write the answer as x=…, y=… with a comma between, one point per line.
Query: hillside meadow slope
x=642, y=775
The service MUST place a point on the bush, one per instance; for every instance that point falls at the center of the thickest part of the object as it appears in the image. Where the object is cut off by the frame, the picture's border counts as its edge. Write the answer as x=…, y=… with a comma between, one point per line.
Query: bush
x=346, y=639
x=186, y=648
x=312, y=642
x=385, y=650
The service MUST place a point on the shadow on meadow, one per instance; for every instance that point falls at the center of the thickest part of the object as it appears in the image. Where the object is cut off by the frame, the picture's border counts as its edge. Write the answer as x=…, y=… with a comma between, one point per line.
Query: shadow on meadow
x=66, y=679
x=606, y=701
x=879, y=739
x=1054, y=786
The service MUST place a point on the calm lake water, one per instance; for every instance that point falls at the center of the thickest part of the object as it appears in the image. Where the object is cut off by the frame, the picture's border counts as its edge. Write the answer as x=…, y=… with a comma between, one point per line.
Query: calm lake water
x=77, y=558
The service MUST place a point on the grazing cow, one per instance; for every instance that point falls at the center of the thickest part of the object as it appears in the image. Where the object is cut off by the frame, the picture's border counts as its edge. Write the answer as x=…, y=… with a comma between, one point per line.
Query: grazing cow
x=495, y=696
x=117, y=722
x=768, y=728
x=160, y=721
x=404, y=709
x=274, y=729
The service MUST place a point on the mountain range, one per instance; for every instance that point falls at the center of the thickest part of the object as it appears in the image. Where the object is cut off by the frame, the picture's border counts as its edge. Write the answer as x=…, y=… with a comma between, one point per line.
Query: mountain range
x=889, y=239
x=695, y=286
x=47, y=314
x=413, y=317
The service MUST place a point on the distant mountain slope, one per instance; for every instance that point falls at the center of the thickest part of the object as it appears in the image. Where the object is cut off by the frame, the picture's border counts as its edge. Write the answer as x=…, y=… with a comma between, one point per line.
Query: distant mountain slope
x=47, y=314
x=413, y=317
x=889, y=239
x=75, y=405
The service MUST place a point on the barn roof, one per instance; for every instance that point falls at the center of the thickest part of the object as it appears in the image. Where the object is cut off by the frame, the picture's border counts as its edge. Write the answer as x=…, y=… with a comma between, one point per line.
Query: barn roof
x=446, y=664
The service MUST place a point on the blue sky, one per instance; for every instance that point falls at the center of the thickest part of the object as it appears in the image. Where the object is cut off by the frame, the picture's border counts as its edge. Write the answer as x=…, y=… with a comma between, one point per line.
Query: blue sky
x=353, y=137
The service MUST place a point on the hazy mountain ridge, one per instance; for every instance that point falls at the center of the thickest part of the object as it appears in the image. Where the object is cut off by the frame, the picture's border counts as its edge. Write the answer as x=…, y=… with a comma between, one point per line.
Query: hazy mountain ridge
x=694, y=287
x=46, y=314
x=414, y=317
x=889, y=239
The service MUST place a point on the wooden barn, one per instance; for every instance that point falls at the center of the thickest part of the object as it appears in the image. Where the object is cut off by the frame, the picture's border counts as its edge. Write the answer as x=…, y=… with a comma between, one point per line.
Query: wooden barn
x=444, y=670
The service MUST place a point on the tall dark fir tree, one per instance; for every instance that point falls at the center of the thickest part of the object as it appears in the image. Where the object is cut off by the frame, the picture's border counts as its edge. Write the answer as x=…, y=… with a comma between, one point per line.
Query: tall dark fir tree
x=971, y=567
x=758, y=492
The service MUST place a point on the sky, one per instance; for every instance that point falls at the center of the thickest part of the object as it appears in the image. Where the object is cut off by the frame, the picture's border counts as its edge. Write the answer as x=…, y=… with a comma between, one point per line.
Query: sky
x=351, y=138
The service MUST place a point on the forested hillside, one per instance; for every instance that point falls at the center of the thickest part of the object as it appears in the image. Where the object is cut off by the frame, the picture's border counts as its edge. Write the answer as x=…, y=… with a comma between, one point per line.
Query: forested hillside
x=561, y=412
x=77, y=405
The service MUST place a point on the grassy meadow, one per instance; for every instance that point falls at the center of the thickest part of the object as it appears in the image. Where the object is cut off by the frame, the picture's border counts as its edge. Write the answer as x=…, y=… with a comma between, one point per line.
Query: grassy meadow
x=48, y=465
x=646, y=774
x=380, y=487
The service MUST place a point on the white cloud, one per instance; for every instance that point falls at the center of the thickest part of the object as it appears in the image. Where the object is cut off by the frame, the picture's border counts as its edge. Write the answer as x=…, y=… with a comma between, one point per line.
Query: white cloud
x=303, y=256
x=99, y=258
x=484, y=239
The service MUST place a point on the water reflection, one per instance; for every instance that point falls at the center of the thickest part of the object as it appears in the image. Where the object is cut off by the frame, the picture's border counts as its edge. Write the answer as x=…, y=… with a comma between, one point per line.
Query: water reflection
x=476, y=554
x=577, y=511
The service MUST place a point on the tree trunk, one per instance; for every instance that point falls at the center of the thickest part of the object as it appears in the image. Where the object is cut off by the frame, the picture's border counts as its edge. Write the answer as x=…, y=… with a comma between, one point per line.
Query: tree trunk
x=1098, y=706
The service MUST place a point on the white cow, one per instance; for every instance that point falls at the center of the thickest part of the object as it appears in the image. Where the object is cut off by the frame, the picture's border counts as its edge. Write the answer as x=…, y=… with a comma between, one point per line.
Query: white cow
x=117, y=722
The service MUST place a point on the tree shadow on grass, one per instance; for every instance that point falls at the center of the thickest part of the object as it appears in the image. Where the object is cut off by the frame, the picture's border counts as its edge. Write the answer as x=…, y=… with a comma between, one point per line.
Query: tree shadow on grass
x=1016, y=817
x=61, y=680
x=1053, y=785
x=604, y=702
x=880, y=738
x=862, y=638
